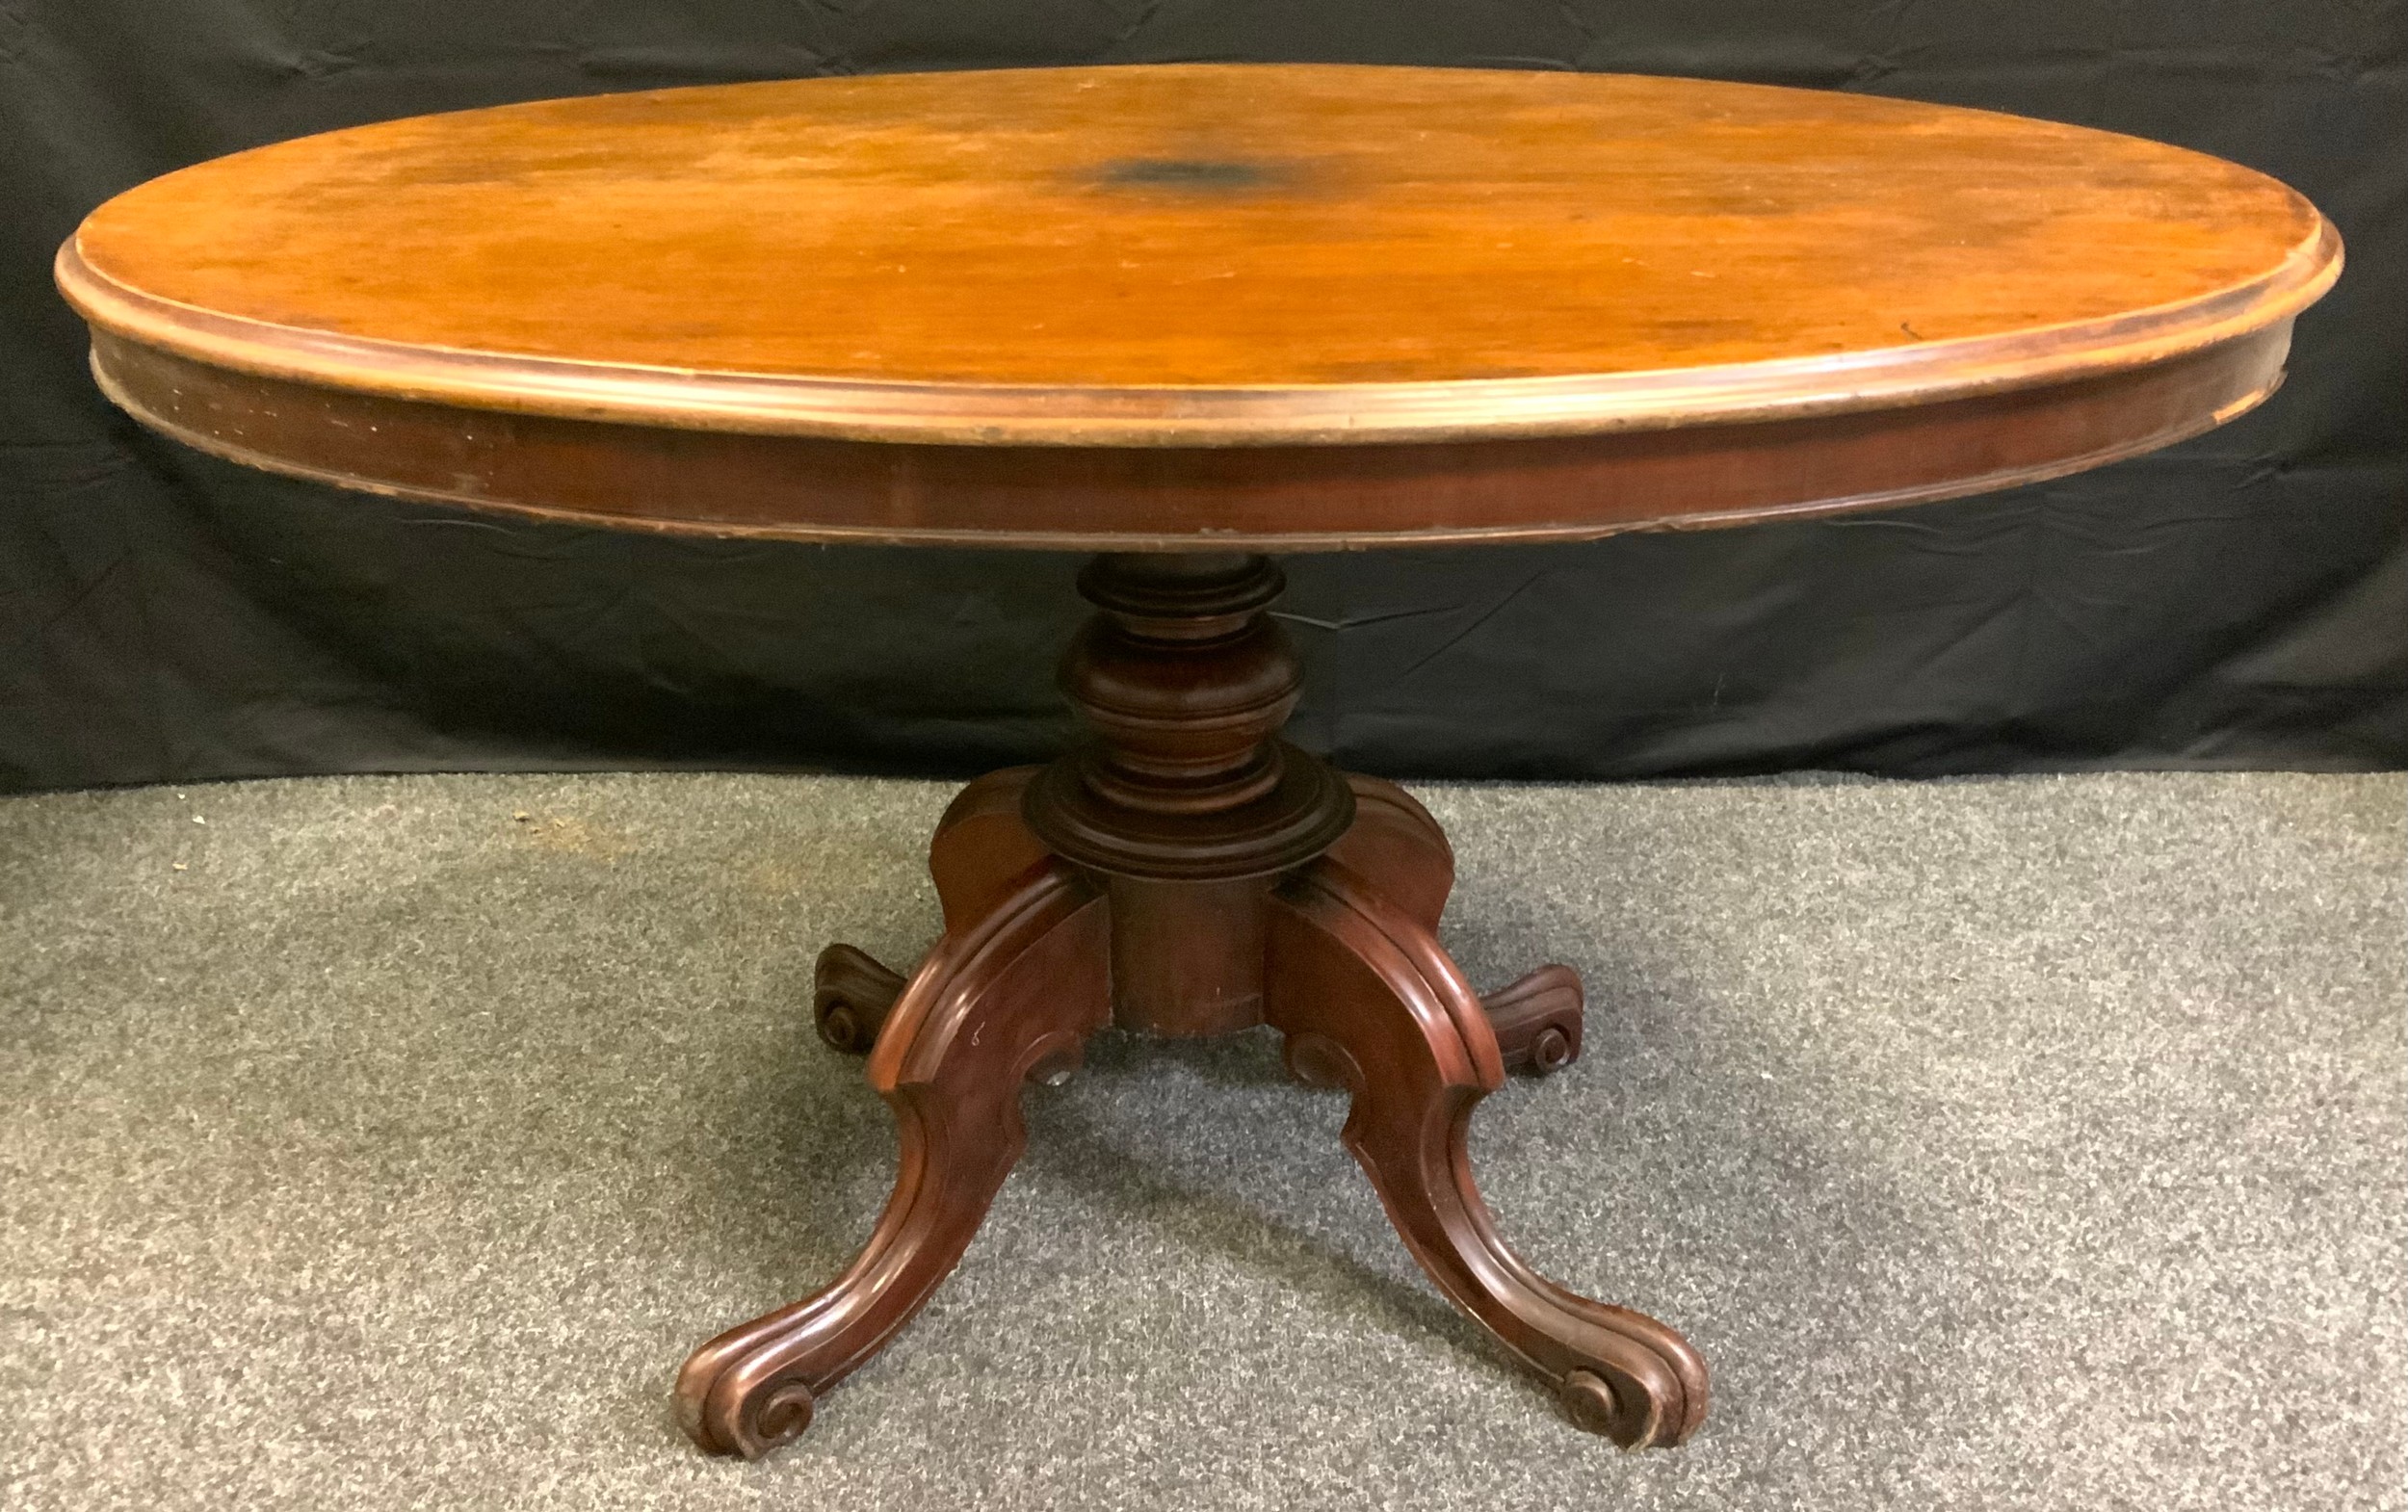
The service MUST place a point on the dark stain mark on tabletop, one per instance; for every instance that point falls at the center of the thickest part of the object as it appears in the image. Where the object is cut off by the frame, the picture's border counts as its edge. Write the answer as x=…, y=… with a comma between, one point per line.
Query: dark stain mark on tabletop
x=1196, y=175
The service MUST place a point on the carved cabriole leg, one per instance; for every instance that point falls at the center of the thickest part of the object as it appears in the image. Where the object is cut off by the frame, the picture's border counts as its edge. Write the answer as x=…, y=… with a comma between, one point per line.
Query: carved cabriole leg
x=1007, y=995
x=982, y=844
x=1395, y=841
x=1537, y=1017
x=1369, y=1003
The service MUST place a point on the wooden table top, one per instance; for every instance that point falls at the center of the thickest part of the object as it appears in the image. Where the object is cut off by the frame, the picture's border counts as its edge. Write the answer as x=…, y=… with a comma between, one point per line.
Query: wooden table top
x=1194, y=258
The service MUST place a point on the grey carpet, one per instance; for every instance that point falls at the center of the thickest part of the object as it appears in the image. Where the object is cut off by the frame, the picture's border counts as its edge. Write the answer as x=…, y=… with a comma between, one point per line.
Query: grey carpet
x=2030, y=1143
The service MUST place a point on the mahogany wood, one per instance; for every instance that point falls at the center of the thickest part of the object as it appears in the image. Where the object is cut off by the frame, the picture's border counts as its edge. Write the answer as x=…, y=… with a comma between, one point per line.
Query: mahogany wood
x=1011, y=997
x=633, y=475
x=1030, y=307
x=1537, y=1020
x=851, y=996
x=1371, y=1004
x=1187, y=956
x=1184, y=679
x=1186, y=315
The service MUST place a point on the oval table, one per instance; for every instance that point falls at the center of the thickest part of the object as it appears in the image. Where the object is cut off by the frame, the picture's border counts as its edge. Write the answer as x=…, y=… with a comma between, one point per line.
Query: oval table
x=1188, y=317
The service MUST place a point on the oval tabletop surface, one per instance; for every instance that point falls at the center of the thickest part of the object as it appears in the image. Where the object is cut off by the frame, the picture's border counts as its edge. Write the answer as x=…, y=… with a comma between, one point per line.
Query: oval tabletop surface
x=1193, y=256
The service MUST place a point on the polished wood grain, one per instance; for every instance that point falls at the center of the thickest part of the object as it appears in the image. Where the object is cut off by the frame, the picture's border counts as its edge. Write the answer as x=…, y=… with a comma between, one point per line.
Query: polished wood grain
x=1188, y=316
x=1181, y=256
x=1012, y=999
x=1292, y=497
x=1538, y=1019
x=1063, y=254
x=1195, y=904
x=1370, y=1005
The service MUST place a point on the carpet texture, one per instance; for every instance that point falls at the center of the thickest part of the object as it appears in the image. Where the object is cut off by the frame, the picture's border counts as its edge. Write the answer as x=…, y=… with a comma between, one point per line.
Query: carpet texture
x=2019, y=1143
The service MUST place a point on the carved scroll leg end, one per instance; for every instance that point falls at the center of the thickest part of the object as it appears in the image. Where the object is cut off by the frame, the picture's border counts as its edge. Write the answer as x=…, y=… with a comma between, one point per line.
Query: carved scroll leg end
x=784, y=1413
x=850, y=995
x=1640, y=1384
x=725, y=1414
x=1537, y=1020
x=747, y=1426
x=1634, y=1412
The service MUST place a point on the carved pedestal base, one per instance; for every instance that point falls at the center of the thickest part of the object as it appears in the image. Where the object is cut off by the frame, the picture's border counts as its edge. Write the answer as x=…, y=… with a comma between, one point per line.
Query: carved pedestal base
x=1189, y=873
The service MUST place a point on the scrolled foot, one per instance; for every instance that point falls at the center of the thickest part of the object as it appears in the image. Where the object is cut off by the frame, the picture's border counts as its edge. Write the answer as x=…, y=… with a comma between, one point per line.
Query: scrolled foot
x=1632, y=1416
x=767, y=1419
x=851, y=993
x=1537, y=1020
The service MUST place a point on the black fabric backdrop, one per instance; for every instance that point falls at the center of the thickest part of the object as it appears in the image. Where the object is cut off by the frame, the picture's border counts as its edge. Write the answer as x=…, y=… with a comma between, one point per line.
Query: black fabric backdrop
x=2242, y=600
